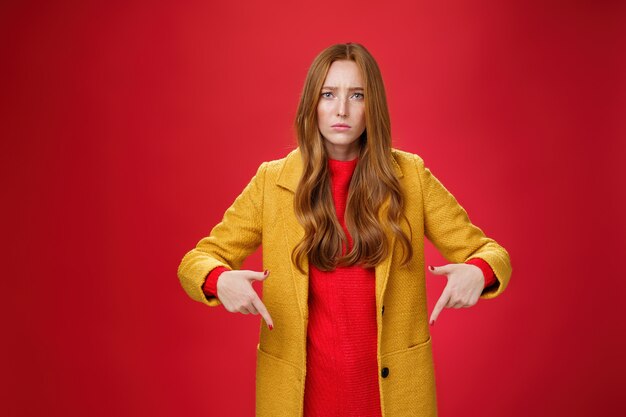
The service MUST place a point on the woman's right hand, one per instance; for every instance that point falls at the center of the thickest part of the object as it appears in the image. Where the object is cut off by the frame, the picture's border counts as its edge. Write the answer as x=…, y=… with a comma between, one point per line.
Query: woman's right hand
x=235, y=291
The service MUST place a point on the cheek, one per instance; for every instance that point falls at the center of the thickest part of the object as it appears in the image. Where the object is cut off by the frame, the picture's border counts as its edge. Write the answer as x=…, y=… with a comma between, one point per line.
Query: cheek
x=322, y=114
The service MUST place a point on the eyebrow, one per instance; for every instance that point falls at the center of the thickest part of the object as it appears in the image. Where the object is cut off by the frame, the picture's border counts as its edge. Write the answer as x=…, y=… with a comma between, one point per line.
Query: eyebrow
x=328, y=87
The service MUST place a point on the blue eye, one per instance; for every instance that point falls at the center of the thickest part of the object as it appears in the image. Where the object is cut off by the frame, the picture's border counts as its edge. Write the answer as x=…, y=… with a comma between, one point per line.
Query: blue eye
x=360, y=95
x=324, y=94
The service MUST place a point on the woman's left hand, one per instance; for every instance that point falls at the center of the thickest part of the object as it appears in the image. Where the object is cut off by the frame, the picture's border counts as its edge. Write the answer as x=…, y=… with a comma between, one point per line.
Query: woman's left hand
x=465, y=284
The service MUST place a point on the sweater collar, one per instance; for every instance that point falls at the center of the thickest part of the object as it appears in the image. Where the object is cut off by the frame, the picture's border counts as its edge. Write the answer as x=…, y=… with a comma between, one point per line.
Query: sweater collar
x=342, y=170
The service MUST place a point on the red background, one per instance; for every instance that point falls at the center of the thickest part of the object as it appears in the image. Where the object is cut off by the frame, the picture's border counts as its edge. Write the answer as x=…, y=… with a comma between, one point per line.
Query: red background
x=129, y=127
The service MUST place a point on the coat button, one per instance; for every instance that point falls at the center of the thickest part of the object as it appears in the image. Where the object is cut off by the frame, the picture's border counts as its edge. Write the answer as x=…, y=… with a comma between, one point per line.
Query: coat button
x=384, y=372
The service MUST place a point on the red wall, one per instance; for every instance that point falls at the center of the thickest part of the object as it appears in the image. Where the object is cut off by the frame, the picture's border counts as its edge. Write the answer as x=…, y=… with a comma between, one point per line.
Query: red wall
x=128, y=128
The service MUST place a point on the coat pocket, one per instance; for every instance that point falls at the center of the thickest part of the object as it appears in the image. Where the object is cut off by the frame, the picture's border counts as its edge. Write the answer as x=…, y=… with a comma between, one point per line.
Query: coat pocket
x=408, y=384
x=279, y=386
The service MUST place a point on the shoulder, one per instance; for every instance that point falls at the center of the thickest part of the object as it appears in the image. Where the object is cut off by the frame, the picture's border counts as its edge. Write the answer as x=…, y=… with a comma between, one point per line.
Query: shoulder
x=276, y=165
x=283, y=171
x=406, y=160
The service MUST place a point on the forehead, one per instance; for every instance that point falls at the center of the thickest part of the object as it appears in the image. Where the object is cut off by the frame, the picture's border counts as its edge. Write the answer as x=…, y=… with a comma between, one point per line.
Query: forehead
x=344, y=73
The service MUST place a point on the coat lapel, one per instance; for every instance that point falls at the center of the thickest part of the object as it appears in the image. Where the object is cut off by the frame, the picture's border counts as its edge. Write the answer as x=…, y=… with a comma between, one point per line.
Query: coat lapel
x=288, y=179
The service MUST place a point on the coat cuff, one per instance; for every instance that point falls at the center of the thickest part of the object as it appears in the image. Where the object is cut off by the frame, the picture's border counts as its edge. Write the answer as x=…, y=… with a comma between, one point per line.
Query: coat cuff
x=490, y=277
x=210, y=284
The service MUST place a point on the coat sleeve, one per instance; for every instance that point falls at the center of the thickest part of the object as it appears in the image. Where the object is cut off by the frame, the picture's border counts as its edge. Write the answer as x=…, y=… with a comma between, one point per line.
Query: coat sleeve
x=230, y=242
x=448, y=227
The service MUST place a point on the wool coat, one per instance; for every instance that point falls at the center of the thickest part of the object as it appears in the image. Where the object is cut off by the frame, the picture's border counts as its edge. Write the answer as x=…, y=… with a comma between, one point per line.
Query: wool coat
x=263, y=214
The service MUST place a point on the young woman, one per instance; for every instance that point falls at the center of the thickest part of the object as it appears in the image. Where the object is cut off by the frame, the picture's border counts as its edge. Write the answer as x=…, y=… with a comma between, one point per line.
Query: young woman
x=341, y=219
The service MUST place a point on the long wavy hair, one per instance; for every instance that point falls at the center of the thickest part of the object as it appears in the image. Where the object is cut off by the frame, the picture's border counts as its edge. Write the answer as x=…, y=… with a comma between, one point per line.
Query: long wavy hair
x=373, y=180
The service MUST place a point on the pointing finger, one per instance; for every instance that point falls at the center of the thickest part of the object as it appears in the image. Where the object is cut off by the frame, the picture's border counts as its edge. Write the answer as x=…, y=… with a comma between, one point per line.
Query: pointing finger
x=263, y=311
x=441, y=303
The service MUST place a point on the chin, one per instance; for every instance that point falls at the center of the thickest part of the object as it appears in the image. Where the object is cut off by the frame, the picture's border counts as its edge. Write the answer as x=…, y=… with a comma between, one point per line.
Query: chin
x=341, y=140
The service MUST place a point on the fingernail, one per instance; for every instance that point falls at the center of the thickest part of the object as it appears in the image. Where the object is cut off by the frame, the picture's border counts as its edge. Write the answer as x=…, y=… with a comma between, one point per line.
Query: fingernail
x=432, y=322
x=267, y=271
x=271, y=327
x=431, y=268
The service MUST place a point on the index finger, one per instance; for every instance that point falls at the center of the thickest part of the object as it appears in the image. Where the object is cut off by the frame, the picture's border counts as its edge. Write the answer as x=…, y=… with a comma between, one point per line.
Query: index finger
x=441, y=303
x=263, y=311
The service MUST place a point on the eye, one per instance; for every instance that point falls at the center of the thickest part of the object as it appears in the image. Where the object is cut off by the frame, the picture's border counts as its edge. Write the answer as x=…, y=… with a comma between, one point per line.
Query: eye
x=324, y=94
x=358, y=95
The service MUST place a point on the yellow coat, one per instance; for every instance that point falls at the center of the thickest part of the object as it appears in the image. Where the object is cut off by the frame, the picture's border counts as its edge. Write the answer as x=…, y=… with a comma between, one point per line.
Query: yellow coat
x=263, y=215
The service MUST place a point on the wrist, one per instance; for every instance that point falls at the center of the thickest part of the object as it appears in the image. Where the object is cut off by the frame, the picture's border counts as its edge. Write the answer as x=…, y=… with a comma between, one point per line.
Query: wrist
x=210, y=285
x=488, y=274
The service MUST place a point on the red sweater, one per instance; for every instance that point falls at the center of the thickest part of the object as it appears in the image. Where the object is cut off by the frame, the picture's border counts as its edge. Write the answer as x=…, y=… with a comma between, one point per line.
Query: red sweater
x=342, y=370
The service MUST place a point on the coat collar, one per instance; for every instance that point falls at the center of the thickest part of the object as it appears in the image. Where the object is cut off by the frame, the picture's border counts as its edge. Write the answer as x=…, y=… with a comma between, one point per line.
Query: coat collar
x=291, y=171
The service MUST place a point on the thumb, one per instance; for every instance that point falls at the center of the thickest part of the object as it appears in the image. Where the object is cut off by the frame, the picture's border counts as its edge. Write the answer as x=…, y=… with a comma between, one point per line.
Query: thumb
x=259, y=276
x=439, y=270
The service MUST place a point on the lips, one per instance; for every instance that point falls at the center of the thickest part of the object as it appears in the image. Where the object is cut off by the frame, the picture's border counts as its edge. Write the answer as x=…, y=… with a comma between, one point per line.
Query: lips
x=340, y=125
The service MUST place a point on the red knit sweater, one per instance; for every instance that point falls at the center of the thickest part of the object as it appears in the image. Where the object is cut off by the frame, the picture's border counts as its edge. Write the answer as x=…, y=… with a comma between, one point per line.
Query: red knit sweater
x=342, y=370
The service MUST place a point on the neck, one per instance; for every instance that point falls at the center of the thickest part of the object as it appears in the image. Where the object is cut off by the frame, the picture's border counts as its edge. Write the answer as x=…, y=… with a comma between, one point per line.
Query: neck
x=342, y=152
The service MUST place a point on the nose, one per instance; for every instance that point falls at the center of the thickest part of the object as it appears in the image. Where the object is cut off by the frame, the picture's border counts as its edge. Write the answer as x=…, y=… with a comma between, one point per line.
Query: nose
x=342, y=110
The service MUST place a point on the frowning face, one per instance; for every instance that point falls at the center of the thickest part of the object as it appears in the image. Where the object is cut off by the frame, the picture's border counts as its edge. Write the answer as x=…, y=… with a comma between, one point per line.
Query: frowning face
x=341, y=110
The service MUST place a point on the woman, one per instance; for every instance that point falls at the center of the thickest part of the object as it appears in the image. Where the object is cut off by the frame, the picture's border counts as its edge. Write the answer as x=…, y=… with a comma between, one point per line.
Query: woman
x=341, y=219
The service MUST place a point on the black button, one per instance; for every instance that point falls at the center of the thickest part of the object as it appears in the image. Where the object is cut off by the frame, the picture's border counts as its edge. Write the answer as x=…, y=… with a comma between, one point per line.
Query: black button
x=384, y=372
x=383, y=311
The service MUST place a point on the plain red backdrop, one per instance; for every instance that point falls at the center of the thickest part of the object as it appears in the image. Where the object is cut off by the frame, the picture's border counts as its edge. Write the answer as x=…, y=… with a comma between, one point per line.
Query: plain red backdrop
x=129, y=127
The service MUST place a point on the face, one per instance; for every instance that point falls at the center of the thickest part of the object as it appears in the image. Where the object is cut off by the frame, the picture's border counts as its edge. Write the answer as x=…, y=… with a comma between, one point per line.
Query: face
x=341, y=110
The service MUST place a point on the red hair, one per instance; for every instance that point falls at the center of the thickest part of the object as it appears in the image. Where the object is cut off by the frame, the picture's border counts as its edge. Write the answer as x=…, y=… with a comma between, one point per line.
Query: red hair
x=372, y=183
